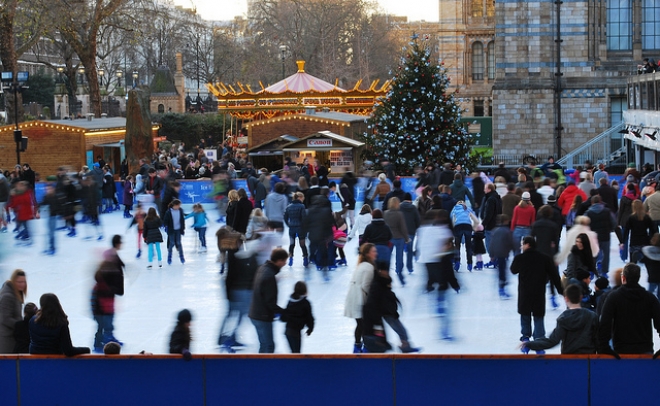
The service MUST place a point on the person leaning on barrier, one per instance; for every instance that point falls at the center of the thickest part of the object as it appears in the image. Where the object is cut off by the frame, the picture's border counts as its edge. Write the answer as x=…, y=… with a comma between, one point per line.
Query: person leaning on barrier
x=627, y=315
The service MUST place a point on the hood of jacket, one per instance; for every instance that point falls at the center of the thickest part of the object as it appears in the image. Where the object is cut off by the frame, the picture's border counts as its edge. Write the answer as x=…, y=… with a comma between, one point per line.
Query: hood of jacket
x=277, y=197
x=575, y=320
x=597, y=207
x=458, y=183
x=321, y=201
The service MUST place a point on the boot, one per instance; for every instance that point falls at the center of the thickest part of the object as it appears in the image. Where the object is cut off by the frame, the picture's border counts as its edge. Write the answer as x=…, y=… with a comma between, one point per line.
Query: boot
x=504, y=295
x=469, y=266
x=457, y=265
x=160, y=264
x=480, y=266
x=139, y=254
x=183, y=260
x=305, y=262
x=407, y=348
x=400, y=275
x=357, y=348
x=524, y=349
x=554, y=302
x=291, y=260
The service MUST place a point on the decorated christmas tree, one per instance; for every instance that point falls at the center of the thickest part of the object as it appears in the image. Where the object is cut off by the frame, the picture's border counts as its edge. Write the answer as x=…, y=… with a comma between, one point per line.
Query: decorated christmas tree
x=417, y=123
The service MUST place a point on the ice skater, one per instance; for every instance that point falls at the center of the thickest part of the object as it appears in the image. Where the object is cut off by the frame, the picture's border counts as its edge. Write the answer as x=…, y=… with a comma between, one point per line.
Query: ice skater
x=138, y=220
x=294, y=217
x=199, y=225
x=297, y=315
x=54, y=210
x=128, y=196
x=152, y=236
x=175, y=226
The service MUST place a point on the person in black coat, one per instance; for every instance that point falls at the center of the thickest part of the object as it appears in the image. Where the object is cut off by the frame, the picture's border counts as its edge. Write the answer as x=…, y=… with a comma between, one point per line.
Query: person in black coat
x=49, y=329
x=395, y=192
x=152, y=236
x=608, y=195
x=22, y=329
x=297, y=315
x=490, y=208
x=379, y=234
x=181, y=338
x=534, y=269
x=153, y=185
x=447, y=175
x=171, y=193
x=242, y=214
x=264, y=308
x=627, y=317
x=318, y=223
x=382, y=305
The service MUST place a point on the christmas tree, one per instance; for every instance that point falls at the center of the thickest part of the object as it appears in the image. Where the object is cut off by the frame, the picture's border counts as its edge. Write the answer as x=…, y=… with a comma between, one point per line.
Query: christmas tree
x=418, y=122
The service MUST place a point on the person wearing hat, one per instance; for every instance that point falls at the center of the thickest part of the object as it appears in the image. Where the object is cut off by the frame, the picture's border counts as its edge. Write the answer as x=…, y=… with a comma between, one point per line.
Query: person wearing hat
x=524, y=216
x=576, y=328
x=586, y=183
x=181, y=337
x=503, y=172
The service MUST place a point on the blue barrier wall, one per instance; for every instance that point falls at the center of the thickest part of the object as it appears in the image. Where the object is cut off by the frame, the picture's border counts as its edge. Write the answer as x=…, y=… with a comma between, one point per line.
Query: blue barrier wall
x=388, y=379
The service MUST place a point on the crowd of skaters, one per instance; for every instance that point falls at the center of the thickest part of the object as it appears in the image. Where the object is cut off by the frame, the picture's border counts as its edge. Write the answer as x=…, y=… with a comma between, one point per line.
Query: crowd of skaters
x=519, y=214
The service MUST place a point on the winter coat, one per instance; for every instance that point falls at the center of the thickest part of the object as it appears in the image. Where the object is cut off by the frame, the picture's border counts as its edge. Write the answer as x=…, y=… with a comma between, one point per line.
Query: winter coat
x=626, y=318
x=128, y=193
x=264, y=306
x=523, y=217
x=231, y=212
x=397, y=224
x=377, y=232
x=609, y=197
x=571, y=236
x=640, y=231
x=151, y=231
x=298, y=314
x=294, y=215
x=361, y=223
x=381, y=301
x=446, y=177
x=200, y=219
x=257, y=189
x=501, y=242
x=534, y=270
x=547, y=235
x=460, y=192
x=382, y=189
x=398, y=193
x=23, y=205
x=460, y=214
x=168, y=196
x=411, y=217
x=319, y=219
x=423, y=205
x=256, y=224
x=22, y=336
x=478, y=188
x=652, y=267
x=567, y=196
x=358, y=289
x=168, y=221
x=154, y=184
x=448, y=202
x=430, y=241
x=576, y=330
x=275, y=206
x=103, y=299
x=242, y=215
x=509, y=202
x=57, y=340
x=180, y=339
x=491, y=207
x=652, y=206
x=10, y=313
x=108, y=186
x=346, y=196
x=602, y=222
x=240, y=271
x=625, y=210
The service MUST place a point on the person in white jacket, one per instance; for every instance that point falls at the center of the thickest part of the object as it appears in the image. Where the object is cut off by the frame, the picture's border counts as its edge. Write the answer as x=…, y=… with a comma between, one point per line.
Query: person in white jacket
x=361, y=223
x=359, y=288
x=580, y=226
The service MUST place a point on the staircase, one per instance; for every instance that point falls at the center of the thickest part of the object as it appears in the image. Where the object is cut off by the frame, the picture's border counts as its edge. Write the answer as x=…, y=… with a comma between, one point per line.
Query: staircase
x=597, y=150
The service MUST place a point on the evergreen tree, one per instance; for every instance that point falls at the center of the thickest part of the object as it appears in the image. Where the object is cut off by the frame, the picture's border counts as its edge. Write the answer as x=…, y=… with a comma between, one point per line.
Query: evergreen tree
x=418, y=122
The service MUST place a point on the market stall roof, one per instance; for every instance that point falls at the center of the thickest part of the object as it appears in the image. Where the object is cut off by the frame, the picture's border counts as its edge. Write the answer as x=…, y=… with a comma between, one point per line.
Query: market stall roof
x=323, y=140
x=273, y=147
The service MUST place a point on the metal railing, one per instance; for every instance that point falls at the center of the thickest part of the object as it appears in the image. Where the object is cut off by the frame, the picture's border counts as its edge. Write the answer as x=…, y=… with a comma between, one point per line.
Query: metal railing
x=598, y=149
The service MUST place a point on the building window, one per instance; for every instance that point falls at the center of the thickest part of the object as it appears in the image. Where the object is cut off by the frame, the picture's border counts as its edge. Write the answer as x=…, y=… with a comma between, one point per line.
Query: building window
x=490, y=8
x=619, y=25
x=478, y=108
x=477, y=8
x=617, y=106
x=491, y=61
x=651, y=24
x=161, y=108
x=477, y=61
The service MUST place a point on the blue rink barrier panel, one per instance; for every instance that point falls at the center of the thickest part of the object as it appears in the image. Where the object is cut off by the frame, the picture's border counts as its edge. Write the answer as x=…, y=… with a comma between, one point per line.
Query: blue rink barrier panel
x=370, y=379
x=199, y=191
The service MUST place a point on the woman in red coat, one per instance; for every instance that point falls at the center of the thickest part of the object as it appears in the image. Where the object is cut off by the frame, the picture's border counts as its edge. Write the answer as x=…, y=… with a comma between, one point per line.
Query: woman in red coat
x=21, y=201
x=567, y=196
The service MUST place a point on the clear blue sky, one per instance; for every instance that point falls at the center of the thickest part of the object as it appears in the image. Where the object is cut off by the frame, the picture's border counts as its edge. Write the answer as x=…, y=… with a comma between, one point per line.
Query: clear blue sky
x=415, y=10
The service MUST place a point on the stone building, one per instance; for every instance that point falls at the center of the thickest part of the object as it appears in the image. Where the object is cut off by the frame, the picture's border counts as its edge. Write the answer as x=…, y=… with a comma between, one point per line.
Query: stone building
x=167, y=90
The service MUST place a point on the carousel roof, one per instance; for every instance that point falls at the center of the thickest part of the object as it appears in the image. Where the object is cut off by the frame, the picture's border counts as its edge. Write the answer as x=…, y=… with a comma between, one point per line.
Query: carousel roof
x=302, y=82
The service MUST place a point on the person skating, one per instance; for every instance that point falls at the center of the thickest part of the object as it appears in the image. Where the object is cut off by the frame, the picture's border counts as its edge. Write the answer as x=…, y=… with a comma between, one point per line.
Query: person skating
x=297, y=315
x=152, y=236
x=175, y=226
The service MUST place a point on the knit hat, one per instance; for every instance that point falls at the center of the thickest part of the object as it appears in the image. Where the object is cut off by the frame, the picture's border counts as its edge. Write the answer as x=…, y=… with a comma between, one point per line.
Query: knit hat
x=552, y=199
x=583, y=175
x=631, y=165
x=630, y=178
x=602, y=283
x=581, y=274
x=526, y=196
x=184, y=316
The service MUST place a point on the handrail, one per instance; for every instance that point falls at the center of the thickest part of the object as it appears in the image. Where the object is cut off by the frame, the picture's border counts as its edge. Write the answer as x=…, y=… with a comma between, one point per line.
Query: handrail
x=598, y=148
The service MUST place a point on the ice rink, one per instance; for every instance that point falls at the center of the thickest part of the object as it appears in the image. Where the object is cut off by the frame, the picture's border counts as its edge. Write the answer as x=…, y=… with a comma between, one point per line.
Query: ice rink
x=146, y=314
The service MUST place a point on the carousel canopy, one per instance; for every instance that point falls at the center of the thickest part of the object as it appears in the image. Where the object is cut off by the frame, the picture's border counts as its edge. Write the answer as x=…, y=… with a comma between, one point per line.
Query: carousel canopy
x=302, y=82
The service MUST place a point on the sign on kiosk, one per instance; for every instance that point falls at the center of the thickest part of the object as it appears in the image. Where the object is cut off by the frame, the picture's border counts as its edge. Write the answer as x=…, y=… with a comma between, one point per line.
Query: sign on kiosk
x=319, y=142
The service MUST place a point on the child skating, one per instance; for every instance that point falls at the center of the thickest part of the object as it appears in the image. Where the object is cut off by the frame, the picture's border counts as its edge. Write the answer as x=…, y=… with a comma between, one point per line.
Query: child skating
x=199, y=225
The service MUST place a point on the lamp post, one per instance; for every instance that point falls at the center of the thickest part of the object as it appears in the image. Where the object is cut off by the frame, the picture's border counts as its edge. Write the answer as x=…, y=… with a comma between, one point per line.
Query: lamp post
x=16, y=86
x=135, y=78
x=119, y=74
x=283, y=58
x=101, y=90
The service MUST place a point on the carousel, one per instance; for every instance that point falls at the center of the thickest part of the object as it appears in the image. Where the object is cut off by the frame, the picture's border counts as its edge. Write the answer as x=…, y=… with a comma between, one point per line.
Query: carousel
x=291, y=96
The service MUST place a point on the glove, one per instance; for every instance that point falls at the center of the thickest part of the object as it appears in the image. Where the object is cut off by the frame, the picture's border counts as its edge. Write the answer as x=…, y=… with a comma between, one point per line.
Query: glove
x=309, y=332
x=186, y=354
x=656, y=355
x=457, y=290
x=609, y=351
